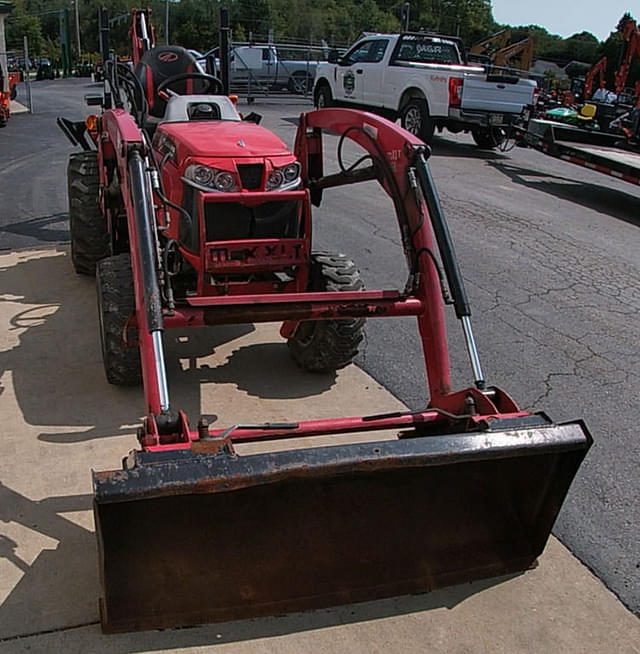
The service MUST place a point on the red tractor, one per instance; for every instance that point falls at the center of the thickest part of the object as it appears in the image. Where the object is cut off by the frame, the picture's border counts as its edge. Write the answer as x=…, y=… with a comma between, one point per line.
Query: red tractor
x=191, y=216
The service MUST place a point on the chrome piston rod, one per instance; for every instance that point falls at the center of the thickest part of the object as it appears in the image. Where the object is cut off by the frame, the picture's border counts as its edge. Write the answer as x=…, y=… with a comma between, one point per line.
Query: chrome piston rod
x=141, y=196
x=449, y=262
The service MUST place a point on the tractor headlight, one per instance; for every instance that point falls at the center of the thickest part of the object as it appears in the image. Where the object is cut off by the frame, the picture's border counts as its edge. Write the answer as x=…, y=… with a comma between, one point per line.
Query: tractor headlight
x=210, y=179
x=285, y=178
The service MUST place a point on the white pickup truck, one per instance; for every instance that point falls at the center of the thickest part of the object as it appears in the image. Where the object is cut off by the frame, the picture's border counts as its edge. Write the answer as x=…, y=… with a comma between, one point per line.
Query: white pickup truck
x=425, y=81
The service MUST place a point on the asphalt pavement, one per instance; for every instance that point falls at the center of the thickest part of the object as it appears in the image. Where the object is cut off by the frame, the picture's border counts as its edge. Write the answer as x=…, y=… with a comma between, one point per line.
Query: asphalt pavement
x=548, y=251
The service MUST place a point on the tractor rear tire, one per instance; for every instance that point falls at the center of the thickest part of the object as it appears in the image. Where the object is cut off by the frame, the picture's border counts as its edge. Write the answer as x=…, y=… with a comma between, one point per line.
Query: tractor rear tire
x=90, y=241
x=328, y=345
x=116, y=303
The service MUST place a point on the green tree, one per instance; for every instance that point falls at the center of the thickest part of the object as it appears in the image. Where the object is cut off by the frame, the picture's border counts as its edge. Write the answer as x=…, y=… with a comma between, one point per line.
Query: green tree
x=582, y=47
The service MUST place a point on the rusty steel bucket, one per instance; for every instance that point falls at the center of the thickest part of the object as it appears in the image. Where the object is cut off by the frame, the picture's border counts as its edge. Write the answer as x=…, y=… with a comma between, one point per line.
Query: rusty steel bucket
x=187, y=538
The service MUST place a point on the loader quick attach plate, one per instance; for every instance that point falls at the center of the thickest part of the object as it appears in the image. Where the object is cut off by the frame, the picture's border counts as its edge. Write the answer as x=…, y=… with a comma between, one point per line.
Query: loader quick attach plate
x=187, y=538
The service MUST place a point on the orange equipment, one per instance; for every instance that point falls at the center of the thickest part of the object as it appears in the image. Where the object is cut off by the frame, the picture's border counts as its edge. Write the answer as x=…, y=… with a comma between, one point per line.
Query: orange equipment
x=598, y=68
x=517, y=55
x=4, y=97
x=491, y=44
x=630, y=49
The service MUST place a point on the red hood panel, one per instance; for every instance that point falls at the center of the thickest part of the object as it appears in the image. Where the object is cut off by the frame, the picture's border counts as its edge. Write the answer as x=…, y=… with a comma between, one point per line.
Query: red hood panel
x=224, y=139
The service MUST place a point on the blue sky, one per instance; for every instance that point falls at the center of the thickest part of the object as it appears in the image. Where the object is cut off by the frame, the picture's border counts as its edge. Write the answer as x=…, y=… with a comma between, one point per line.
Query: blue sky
x=565, y=17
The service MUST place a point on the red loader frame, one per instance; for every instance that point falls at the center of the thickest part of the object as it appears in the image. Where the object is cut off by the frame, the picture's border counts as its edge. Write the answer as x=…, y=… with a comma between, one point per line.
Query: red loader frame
x=422, y=298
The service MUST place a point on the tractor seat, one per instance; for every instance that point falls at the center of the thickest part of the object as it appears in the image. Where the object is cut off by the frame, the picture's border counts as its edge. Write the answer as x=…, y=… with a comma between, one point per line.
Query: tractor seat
x=158, y=64
x=587, y=112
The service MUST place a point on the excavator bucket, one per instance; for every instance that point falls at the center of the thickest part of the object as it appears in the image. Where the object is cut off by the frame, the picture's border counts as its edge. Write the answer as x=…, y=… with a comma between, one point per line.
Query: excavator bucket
x=187, y=538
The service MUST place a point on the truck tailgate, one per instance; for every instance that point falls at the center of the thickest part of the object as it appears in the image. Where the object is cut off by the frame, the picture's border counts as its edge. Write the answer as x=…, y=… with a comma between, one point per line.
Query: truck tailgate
x=505, y=94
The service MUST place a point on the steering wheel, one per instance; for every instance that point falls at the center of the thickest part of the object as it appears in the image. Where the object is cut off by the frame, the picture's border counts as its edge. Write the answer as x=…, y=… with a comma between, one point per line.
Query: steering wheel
x=214, y=85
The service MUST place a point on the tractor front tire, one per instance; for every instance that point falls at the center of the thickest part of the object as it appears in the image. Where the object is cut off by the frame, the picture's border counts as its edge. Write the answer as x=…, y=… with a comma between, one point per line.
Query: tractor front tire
x=116, y=303
x=90, y=241
x=328, y=345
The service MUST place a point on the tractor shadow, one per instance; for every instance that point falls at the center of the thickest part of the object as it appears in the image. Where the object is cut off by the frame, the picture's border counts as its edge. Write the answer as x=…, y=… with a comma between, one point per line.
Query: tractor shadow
x=601, y=198
x=46, y=229
x=55, y=389
x=59, y=584
x=263, y=370
x=54, y=363
x=58, y=588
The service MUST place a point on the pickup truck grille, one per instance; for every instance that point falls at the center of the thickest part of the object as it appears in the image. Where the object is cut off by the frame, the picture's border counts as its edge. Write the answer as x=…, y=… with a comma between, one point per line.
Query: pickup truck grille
x=251, y=176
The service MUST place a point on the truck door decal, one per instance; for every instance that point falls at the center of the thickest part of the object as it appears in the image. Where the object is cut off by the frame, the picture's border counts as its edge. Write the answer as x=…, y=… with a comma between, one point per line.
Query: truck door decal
x=349, y=82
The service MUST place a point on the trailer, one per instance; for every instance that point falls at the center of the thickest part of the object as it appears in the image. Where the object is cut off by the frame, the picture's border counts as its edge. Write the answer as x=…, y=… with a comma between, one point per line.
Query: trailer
x=597, y=151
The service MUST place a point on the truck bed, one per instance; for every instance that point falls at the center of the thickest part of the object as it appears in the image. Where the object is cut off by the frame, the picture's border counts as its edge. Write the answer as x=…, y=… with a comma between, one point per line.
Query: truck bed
x=594, y=150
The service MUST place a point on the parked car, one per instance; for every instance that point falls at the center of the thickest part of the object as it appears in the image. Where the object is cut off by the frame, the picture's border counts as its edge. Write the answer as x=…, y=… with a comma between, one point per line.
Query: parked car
x=45, y=70
x=262, y=65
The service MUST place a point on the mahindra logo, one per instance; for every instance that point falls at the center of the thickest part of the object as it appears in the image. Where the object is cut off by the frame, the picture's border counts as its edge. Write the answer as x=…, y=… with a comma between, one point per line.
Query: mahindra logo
x=168, y=57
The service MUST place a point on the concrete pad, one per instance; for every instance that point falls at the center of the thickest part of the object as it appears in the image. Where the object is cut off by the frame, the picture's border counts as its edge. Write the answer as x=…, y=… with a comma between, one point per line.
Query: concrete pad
x=16, y=107
x=60, y=419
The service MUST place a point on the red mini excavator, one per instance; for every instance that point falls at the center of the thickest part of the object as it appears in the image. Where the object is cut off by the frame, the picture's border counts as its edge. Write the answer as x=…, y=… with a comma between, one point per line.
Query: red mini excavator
x=630, y=50
x=190, y=216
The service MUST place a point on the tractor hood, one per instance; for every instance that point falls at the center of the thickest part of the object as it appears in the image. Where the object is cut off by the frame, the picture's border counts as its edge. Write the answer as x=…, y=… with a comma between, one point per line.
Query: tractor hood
x=234, y=139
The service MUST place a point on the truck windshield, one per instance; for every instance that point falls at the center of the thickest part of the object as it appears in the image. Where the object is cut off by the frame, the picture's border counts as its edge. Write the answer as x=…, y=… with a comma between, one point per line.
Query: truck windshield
x=427, y=50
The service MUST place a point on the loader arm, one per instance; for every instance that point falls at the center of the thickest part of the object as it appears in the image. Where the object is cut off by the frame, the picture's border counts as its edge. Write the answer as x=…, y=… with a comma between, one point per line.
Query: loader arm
x=142, y=34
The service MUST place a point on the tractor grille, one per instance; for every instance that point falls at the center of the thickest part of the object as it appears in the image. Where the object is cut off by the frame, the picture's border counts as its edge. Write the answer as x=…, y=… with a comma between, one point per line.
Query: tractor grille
x=251, y=176
x=227, y=221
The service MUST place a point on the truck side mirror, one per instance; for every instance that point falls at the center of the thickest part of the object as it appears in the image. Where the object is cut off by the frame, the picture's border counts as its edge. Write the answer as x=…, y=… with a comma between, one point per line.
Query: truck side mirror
x=333, y=57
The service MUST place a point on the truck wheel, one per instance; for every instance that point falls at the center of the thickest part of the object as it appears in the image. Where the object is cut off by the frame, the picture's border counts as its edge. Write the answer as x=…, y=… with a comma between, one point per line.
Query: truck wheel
x=322, y=97
x=328, y=345
x=300, y=83
x=487, y=139
x=415, y=118
x=13, y=93
x=89, y=235
x=116, y=302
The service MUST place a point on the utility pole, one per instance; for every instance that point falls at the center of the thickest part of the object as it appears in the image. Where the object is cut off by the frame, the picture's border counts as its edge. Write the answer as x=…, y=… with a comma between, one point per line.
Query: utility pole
x=166, y=22
x=75, y=3
x=406, y=12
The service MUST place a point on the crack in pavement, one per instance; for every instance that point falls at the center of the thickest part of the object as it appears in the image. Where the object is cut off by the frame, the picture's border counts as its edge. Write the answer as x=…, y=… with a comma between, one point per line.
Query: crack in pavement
x=45, y=632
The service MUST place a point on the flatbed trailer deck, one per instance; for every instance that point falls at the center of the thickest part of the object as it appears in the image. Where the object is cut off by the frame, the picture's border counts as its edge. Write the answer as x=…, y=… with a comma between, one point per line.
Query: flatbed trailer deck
x=595, y=150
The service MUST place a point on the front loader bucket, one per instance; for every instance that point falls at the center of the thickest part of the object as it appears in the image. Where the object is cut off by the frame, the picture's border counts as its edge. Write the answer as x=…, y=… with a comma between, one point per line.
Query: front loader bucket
x=189, y=538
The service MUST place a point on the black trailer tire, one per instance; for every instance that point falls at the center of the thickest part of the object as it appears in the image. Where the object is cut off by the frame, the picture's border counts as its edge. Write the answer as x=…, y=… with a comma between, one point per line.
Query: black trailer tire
x=90, y=241
x=487, y=139
x=415, y=118
x=116, y=303
x=328, y=345
x=13, y=93
x=322, y=98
